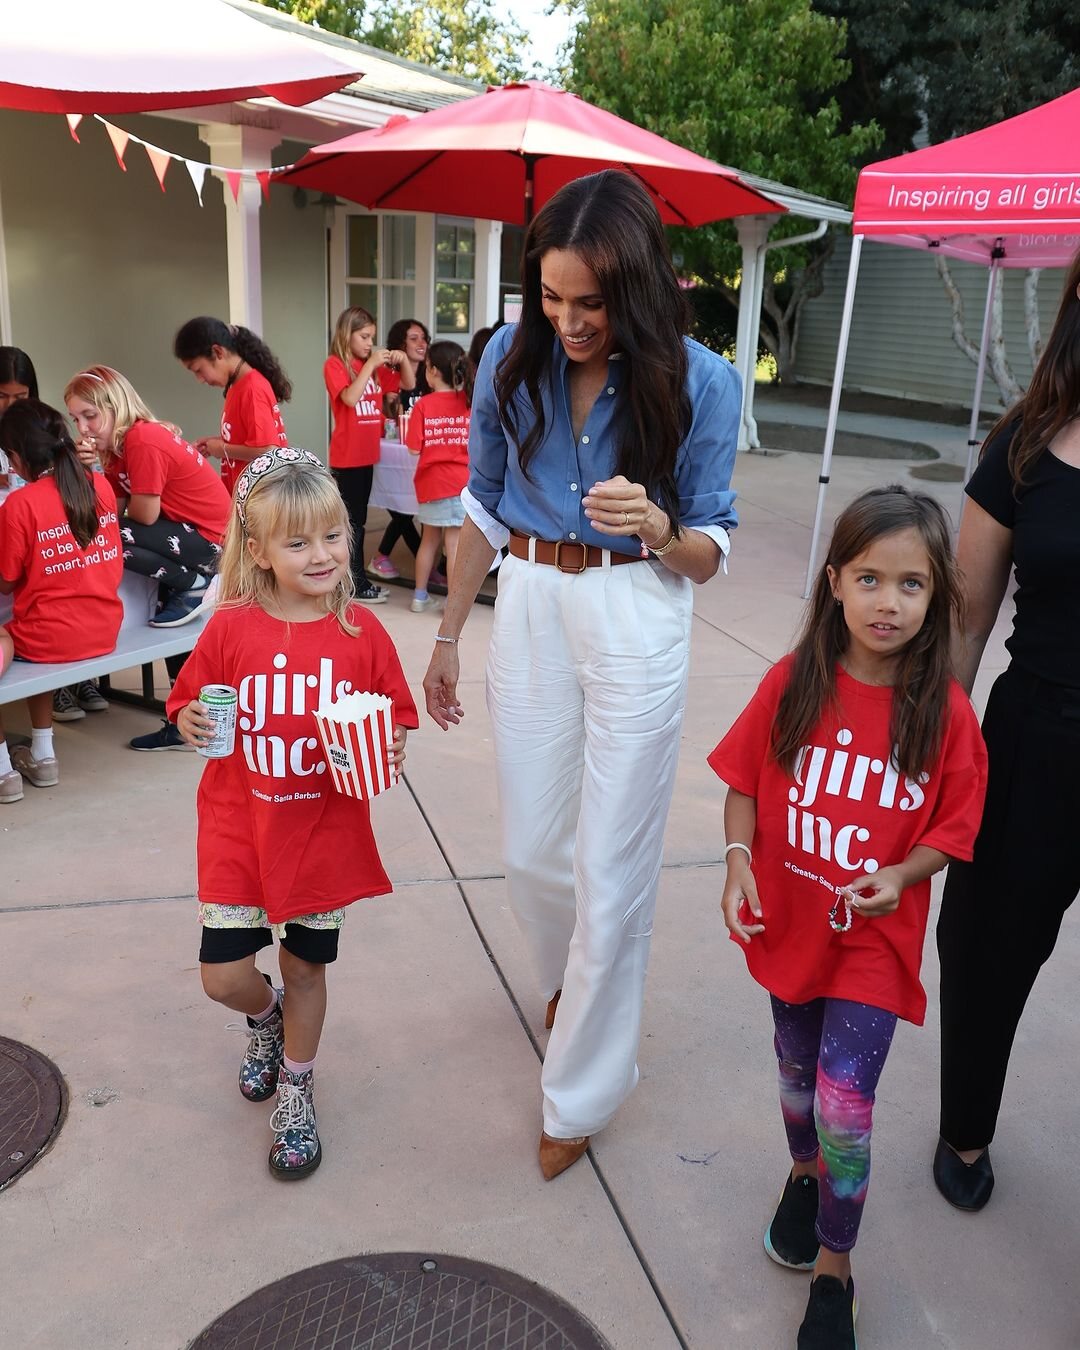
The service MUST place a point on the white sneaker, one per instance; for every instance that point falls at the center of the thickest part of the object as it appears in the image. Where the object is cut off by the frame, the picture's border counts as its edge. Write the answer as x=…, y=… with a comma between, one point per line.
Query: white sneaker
x=419, y=605
x=11, y=787
x=41, y=772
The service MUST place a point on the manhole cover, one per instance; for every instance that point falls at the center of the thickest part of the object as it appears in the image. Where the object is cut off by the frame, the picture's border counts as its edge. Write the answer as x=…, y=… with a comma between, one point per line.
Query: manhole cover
x=401, y=1301
x=32, y=1105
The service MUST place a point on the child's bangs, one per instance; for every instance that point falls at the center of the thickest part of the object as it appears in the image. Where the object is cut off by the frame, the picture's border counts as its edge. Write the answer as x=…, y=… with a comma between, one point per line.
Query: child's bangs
x=300, y=501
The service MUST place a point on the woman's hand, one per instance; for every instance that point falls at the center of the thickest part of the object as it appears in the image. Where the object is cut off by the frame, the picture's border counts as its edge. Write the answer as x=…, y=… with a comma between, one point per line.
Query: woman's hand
x=86, y=450
x=618, y=506
x=739, y=889
x=397, y=750
x=877, y=893
x=213, y=446
x=394, y=358
x=440, y=686
x=194, y=724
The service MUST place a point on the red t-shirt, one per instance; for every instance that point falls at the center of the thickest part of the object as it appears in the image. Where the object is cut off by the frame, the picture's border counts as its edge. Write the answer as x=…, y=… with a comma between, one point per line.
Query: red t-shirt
x=66, y=606
x=273, y=831
x=439, y=430
x=159, y=463
x=250, y=417
x=846, y=812
x=354, y=442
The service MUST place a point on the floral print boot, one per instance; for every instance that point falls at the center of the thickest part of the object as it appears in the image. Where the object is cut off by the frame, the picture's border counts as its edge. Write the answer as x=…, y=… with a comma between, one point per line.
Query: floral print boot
x=296, y=1150
x=262, y=1059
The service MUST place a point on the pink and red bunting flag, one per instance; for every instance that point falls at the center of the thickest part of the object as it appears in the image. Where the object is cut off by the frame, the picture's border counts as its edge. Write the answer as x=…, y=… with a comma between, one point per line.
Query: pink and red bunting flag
x=119, y=143
x=73, y=120
x=264, y=182
x=160, y=160
x=233, y=177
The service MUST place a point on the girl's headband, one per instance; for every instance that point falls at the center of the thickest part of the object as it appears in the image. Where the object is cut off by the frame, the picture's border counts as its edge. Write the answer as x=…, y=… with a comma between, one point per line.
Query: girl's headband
x=278, y=457
x=89, y=375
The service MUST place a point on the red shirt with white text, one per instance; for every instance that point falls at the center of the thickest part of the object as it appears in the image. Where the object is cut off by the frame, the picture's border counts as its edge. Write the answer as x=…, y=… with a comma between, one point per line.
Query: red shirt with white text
x=439, y=430
x=250, y=417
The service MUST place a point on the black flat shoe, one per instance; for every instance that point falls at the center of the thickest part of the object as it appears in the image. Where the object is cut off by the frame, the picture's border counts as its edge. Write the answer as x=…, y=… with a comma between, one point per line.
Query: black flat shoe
x=965, y=1185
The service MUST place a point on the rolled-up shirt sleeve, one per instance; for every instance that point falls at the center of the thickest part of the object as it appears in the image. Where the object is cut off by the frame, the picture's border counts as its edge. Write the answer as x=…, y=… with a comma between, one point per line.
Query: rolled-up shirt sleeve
x=487, y=439
x=707, y=457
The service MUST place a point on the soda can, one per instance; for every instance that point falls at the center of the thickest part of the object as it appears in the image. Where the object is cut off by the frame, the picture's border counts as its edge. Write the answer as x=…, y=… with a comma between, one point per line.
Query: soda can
x=220, y=701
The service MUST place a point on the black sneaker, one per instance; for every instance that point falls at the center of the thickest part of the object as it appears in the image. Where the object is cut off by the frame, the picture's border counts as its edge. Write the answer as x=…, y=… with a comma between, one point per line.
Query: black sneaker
x=370, y=594
x=829, y=1323
x=65, y=707
x=790, y=1239
x=178, y=609
x=165, y=738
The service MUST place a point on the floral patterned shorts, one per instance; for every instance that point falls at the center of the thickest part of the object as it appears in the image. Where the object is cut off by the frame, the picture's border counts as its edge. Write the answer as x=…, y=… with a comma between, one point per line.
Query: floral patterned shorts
x=251, y=916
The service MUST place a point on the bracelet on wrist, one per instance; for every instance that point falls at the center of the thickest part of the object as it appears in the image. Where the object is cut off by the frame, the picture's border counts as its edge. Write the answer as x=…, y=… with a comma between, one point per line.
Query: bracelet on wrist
x=662, y=546
x=439, y=638
x=745, y=849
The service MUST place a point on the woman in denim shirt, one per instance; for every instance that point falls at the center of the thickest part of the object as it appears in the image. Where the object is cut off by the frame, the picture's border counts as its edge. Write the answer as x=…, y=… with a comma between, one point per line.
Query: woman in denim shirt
x=601, y=449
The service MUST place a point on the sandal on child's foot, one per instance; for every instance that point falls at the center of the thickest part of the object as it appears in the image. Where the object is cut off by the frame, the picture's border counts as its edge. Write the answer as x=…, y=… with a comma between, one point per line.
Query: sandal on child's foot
x=296, y=1151
x=790, y=1239
x=829, y=1323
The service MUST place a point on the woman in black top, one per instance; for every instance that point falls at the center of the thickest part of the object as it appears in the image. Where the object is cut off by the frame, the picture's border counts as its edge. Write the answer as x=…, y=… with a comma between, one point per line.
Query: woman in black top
x=1001, y=912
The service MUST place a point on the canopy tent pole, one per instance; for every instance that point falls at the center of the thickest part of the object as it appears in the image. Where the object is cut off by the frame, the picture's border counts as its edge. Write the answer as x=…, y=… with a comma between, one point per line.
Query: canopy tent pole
x=834, y=404
x=752, y=232
x=6, y=338
x=980, y=369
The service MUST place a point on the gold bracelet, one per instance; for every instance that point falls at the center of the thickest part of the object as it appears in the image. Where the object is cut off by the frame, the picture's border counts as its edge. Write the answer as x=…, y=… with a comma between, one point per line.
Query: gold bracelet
x=663, y=549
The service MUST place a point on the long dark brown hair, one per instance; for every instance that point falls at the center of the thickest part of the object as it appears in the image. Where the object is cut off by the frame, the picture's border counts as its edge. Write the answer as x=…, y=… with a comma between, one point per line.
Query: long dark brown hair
x=924, y=670
x=610, y=222
x=198, y=337
x=38, y=434
x=1053, y=397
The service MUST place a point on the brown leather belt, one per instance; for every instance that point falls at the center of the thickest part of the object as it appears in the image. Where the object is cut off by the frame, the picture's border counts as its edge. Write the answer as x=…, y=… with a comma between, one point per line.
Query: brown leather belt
x=567, y=555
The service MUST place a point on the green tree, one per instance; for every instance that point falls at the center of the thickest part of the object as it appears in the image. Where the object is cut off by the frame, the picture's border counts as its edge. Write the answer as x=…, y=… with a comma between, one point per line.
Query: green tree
x=745, y=82
x=462, y=37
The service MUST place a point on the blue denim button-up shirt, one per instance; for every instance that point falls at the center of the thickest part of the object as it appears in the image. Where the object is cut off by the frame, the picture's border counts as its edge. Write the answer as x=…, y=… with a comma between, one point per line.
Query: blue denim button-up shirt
x=563, y=470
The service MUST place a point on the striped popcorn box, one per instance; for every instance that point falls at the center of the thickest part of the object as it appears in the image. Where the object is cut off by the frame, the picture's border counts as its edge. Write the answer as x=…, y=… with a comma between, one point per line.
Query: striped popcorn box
x=357, y=733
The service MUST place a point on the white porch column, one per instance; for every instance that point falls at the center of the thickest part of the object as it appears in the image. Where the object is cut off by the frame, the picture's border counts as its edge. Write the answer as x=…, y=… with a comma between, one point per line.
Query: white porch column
x=425, y=269
x=248, y=148
x=753, y=231
x=488, y=273
x=6, y=338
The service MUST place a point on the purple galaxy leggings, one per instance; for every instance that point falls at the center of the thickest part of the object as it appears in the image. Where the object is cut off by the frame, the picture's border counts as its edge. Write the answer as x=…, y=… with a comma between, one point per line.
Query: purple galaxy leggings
x=830, y=1054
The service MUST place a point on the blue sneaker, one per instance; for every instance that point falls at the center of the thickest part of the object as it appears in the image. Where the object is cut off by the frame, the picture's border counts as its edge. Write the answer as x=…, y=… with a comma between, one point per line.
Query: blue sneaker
x=180, y=608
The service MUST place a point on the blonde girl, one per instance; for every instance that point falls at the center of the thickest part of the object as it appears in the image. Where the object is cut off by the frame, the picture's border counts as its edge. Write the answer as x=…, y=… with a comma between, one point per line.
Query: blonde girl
x=358, y=375
x=280, y=853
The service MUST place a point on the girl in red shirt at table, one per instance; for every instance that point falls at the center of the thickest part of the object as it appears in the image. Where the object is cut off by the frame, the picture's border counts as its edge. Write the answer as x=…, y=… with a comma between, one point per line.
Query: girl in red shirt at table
x=60, y=555
x=357, y=375
x=280, y=852
x=439, y=434
x=856, y=772
x=174, y=507
x=227, y=356
x=411, y=337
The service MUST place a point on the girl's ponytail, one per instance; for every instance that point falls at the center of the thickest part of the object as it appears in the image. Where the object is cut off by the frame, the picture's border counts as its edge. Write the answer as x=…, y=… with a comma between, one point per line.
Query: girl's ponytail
x=39, y=436
x=453, y=365
x=198, y=337
x=258, y=355
x=464, y=374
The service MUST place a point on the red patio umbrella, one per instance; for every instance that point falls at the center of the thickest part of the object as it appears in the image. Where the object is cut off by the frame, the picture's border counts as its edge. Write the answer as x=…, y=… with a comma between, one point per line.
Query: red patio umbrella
x=124, y=56
x=500, y=156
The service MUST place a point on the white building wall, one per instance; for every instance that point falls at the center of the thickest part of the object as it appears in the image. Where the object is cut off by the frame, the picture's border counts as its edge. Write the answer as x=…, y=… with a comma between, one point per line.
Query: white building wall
x=901, y=338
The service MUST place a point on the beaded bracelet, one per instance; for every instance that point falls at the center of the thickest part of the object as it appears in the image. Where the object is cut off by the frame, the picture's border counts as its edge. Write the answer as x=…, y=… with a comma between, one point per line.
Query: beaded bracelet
x=439, y=638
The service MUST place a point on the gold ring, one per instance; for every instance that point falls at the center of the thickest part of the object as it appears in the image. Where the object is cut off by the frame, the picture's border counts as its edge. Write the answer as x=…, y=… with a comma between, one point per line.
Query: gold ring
x=626, y=518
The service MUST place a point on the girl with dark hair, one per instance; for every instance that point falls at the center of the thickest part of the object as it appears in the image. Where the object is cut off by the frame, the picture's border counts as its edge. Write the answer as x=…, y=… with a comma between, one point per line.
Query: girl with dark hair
x=60, y=555
x=412, y=338
x=358, y=375
x=230, y=357
x=439, y=434
x=18, y=379
x=1023, y=502
x=601, y=447
x=855, y=773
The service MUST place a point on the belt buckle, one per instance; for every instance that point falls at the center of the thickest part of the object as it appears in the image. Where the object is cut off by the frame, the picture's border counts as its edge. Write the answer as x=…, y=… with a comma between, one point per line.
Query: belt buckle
x=560, y=544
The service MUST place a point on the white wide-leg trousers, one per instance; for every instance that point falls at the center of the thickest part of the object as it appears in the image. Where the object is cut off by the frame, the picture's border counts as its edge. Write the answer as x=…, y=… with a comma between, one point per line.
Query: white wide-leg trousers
x=586, y=685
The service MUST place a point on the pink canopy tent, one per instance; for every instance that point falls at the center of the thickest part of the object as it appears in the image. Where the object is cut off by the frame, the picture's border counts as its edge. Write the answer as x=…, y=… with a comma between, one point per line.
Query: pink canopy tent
x=127, y=56
x=1007, y=196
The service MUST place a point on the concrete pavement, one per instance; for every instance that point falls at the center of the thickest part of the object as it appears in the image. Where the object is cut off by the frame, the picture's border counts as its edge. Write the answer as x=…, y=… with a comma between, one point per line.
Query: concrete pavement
x=154, y=1212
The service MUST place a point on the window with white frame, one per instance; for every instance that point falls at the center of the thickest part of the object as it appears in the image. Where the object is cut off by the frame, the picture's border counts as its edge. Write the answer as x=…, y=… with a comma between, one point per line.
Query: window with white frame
x=455, y=274
x=380, y=266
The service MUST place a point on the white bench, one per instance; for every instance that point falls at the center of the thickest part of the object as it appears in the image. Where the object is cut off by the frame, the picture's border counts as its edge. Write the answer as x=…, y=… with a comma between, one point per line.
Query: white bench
x=137, y=645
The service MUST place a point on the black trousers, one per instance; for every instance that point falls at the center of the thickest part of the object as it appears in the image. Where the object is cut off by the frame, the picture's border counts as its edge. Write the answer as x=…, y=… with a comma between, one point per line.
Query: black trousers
x=400, y=527
x=1001, y=913
x=170, y=551
x=355, y=488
